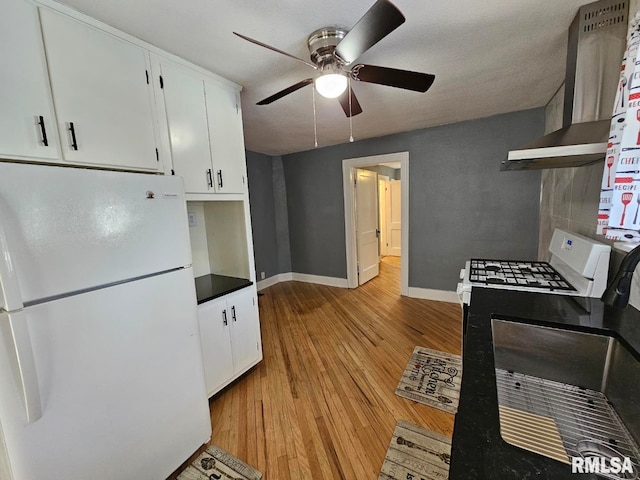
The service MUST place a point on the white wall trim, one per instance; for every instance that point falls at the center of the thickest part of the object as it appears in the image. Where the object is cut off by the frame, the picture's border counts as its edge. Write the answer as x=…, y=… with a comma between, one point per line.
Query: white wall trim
x=329, y=281
x=413, y=292
x=302, y=277
x=275, y=279
x=349, y=218
x=431, y=294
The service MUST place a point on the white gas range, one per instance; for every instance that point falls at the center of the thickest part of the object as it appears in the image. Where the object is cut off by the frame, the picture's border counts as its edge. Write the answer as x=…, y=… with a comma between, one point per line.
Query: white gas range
x=578, y=266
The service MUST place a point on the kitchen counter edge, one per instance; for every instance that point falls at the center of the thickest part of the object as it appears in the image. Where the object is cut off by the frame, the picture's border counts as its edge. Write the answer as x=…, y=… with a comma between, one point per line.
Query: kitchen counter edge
x=212, y=286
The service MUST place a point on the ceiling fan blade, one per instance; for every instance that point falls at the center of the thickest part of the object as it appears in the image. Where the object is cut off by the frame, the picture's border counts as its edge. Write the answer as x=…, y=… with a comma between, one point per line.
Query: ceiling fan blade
x=418, y=82
x=274, y=49
x=355, y=108
x=286, y=91
x=381, y=19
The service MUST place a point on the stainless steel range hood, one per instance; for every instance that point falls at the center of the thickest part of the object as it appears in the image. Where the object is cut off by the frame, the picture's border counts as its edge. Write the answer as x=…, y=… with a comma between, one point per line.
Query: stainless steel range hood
x=597, y=38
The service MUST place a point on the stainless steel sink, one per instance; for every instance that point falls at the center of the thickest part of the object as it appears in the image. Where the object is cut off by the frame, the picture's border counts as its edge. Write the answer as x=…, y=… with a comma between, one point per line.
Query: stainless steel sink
x=567, y=394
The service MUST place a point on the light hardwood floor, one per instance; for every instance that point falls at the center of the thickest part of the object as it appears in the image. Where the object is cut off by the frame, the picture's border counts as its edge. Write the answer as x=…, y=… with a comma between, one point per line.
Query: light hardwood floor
x=322, y=405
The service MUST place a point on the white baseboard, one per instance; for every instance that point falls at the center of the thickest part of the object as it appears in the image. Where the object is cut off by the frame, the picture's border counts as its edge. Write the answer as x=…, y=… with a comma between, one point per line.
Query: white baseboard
x=302, y=277
x=414, y=292
x=329, y=281
x=269, y=282
x=431, y=294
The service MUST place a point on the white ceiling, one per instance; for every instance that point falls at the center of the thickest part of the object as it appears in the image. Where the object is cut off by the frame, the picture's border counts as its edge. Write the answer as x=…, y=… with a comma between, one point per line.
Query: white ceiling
x=489, y=57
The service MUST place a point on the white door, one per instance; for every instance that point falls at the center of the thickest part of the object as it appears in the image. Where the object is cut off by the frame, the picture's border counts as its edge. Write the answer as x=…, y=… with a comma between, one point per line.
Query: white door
x=382, y=221
x=26, y=113
x=116, y=369
x=394, y=217
x=103, y=100
x=367, y=224
x=226, y=137
x=215, y=338
x=187, y=122
x=245, y=328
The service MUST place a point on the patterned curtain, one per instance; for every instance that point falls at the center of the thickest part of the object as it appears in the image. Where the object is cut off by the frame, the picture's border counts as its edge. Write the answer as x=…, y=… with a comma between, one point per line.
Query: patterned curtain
x=619, y=211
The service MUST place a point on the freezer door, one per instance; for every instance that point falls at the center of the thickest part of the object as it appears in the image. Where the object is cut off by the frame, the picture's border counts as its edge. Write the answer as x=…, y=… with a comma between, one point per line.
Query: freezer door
x=120, y=379
x=64, y=229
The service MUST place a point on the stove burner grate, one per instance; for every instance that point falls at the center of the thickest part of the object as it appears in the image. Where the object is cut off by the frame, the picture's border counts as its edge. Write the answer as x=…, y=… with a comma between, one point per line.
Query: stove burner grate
x=517, y=274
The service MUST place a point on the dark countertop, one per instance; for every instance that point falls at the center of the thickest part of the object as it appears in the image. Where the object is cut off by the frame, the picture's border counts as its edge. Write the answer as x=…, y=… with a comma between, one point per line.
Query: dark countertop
x=478, y=451
x=213, y=286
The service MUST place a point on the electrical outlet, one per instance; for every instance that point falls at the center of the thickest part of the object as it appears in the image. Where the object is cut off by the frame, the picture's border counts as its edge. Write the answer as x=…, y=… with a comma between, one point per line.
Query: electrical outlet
x=261, y=275
x=192, y=219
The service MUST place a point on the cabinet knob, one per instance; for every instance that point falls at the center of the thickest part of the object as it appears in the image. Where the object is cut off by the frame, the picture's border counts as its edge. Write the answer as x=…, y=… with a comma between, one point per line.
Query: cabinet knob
x=220, y=178
x=209, y=178
x=224, y=317
x=233, y=313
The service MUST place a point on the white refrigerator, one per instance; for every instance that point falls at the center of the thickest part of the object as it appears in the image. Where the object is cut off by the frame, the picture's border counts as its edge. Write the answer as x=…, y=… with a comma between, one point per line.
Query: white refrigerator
x=101, y=374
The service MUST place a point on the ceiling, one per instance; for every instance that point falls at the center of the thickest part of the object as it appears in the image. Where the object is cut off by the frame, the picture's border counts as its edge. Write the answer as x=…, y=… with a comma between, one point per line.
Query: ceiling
x=489, y=57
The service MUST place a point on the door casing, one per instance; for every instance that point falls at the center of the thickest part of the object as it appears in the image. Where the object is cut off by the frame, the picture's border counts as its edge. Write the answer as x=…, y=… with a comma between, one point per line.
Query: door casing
x=348, y=166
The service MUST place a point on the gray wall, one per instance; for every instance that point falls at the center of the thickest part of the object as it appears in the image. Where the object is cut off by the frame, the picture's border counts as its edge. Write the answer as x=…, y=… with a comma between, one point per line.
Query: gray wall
x=263, y=218
x=269, y=218
x=281, y=216
x=461, y=205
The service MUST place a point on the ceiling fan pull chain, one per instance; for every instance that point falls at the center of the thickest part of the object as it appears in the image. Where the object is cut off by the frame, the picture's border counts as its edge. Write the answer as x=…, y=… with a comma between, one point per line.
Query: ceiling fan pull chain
x=350, y=112
x=315, y=127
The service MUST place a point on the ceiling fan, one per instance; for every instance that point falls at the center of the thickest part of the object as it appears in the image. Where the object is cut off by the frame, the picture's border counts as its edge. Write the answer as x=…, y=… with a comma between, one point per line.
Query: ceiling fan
x=333, y=50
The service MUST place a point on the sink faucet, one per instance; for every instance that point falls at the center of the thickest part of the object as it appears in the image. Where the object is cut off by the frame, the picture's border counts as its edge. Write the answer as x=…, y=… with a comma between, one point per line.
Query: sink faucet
x=617, y=292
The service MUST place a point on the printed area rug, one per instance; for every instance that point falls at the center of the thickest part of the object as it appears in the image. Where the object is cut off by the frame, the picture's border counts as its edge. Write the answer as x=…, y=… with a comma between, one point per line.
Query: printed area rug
x=433, y=378
x=216, y=464
x=416, y=453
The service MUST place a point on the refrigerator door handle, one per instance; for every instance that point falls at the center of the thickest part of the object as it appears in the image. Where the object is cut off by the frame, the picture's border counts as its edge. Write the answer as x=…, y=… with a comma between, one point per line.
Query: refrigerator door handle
x=26, y=366
x=10, y=295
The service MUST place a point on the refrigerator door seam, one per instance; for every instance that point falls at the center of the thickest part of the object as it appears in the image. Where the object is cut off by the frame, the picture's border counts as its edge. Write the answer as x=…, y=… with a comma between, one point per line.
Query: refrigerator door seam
x=97, y=287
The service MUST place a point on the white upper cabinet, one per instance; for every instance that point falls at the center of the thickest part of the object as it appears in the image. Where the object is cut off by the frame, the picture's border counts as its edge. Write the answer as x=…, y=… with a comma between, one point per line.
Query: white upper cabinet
x=103, y=101
x=27, y=123
x=79, y=92
x=227, y=139
x=204, y=125
x=186, y=118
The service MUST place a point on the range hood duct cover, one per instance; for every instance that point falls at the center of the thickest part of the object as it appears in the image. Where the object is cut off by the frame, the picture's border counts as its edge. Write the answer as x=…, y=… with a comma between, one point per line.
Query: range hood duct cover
x=597, y=39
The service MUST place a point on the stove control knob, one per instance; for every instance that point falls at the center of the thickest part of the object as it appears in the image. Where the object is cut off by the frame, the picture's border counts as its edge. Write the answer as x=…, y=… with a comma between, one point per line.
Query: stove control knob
x=623, y=286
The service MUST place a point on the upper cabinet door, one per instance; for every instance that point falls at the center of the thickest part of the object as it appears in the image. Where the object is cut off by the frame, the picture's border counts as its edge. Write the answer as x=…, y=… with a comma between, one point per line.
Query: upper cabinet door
x=227, y=139
x=103, y=100
x=27, y=124
x=187, y=124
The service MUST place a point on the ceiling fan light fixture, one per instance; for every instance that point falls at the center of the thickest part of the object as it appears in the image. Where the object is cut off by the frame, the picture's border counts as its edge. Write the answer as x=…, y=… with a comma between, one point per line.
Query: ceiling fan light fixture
x=331, y=85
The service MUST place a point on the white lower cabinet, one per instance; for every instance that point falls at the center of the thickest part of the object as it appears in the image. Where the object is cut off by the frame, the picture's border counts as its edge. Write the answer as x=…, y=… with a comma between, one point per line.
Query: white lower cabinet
x=230, y=337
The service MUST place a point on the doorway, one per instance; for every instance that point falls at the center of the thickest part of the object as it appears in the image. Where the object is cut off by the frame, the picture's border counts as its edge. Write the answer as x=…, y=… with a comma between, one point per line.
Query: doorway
x=390, y=213
x=401, y=234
